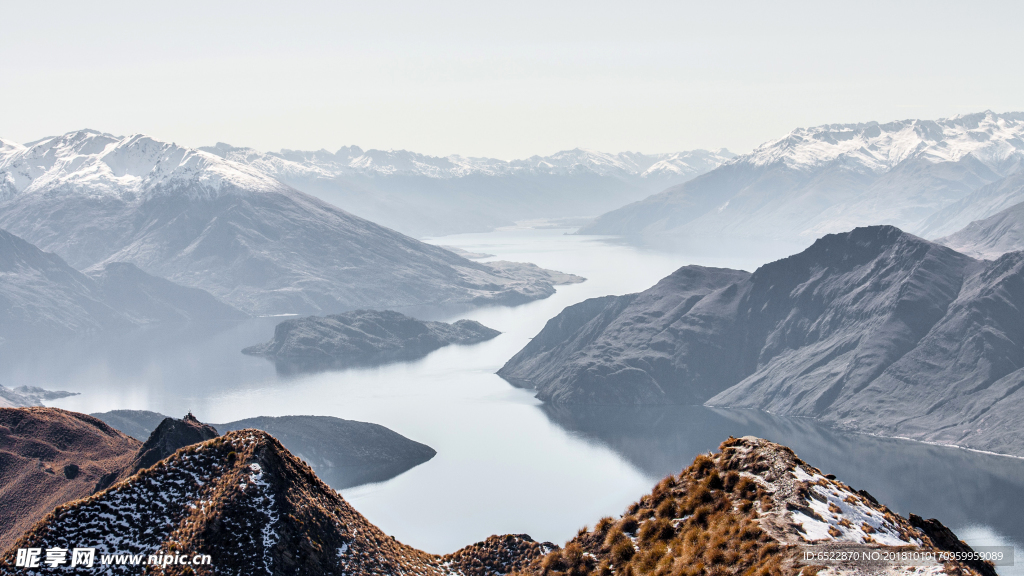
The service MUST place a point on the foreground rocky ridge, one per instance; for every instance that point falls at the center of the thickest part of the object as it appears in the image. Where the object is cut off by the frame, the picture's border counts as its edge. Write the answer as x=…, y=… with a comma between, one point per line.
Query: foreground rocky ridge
x=362, y=338
x=256, y=509
x=873, y=330
x=749, y=509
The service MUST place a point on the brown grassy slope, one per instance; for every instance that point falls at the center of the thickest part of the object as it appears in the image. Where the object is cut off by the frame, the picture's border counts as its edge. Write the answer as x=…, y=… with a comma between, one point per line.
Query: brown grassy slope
x=497, y=555
x=737, y=512
x=40, y=449
x=256, y=509
x=246, y=501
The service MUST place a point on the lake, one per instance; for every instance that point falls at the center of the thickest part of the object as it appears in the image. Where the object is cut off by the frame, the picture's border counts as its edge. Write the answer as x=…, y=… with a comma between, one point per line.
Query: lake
x=506, y=463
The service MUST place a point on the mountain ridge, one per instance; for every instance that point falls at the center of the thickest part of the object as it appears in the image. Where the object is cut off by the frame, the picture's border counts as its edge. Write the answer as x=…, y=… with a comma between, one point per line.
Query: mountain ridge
x=751, y=508
x=430, y=196
x=831, y=178
x=874, y=331
x=204, y=222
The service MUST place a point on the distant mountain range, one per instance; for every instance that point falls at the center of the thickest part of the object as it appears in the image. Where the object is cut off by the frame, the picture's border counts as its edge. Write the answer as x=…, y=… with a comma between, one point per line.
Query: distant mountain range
x=431, y=196
x=918, y=175
x=201, y=221
x=873, y=330
x=990, y=237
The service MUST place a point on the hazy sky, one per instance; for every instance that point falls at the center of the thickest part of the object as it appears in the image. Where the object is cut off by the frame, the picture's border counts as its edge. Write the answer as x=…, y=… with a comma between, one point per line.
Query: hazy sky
x=502, y=79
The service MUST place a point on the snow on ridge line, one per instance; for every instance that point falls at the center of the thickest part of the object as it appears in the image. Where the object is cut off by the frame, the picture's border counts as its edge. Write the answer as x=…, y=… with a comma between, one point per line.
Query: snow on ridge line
x=990, y=137
x=354, y=160
x=94, y=163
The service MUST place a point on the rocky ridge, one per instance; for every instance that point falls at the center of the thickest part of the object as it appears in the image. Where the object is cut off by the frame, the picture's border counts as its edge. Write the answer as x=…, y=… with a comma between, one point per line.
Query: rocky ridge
x=751, y=508
x=256, y=509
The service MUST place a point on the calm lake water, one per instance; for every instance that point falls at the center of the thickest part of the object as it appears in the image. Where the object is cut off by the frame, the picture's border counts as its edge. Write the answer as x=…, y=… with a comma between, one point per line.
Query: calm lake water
x=506, y=463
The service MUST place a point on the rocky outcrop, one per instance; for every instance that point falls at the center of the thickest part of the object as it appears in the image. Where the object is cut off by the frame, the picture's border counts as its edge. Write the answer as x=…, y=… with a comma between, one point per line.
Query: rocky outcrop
x=344, y=453
x=169, y=436
x=873, y=330
x=362, y=338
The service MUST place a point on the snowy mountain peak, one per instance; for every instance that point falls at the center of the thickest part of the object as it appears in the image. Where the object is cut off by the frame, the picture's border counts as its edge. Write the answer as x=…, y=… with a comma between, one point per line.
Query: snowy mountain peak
x=96, y=163
x=355, y=160
x=994, y=139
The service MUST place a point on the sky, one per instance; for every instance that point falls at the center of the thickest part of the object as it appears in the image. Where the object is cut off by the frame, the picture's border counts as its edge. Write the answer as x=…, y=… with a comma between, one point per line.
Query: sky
x=499, y=79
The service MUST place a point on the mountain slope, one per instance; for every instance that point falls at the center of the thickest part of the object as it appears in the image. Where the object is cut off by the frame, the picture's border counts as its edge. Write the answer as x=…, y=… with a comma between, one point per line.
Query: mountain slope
x=621, y=349
x=991, y=237
x=50, y=456
x=831, y=178
x=874, y=330
x=430, y=196
x=978, y=205
x=253, y=508
x=243, y=500
x=145, y=299
x=41, y=296
x=201, y=221
x=752, y=508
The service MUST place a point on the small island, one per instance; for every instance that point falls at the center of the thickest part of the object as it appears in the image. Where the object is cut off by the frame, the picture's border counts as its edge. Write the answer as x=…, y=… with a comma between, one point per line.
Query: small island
x=362, y=338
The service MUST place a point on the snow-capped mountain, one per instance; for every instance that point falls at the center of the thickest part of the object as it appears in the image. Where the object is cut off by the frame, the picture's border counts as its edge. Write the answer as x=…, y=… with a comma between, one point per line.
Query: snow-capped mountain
x=831, y=178
x=355, y=160
x=428, y=195
x=132, y=168
x=199, y=220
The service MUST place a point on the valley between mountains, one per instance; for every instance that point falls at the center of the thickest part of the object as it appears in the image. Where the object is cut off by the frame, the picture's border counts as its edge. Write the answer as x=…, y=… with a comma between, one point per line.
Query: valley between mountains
x=478, y=350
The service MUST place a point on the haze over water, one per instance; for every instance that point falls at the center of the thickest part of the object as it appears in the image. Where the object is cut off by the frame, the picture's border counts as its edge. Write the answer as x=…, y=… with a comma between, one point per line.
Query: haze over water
x=505, y=463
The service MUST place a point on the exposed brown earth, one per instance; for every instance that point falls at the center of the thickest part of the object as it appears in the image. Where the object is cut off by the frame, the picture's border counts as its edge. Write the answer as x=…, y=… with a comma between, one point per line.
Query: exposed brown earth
x=50, y=456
